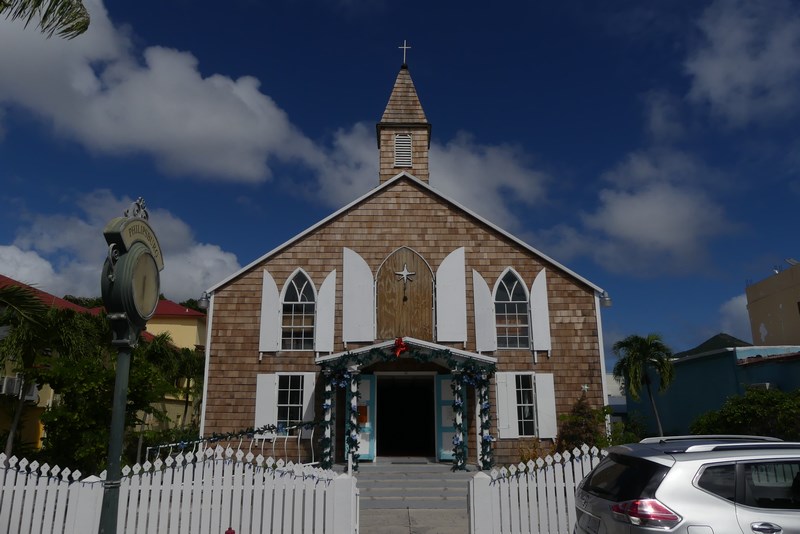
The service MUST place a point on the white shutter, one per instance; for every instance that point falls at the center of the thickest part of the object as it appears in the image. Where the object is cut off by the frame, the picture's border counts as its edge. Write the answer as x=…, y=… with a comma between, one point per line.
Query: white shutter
x=547, y=424
x=485, y=330
x=540, y=314
x=326, y=311
x=358, y=302
x=270, y=335
x=507, y=424
x=451, y=299
x=266, y=401
x=309, y=382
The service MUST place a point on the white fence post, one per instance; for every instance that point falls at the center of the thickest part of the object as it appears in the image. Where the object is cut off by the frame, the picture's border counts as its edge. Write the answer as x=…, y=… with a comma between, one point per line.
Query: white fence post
x=345, y=505
x=481, y=514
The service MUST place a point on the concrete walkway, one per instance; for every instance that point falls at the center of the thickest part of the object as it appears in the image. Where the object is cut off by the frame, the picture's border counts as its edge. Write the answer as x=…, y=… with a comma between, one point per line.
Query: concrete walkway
x=410, y=521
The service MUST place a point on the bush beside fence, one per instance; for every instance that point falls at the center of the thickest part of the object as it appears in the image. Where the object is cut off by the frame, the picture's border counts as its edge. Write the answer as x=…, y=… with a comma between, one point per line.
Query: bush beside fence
x=537, y=497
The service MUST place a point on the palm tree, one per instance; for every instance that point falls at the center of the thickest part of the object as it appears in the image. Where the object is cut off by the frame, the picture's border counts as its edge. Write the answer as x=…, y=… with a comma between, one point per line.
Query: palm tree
x=639, y=357
x=67, y=18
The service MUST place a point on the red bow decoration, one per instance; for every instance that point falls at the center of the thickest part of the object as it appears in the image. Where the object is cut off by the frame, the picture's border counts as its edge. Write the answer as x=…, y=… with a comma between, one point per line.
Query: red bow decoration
x=399, y=347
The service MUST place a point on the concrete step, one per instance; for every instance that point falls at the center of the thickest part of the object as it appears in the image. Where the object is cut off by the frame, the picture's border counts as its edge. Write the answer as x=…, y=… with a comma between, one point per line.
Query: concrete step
x=415, y=485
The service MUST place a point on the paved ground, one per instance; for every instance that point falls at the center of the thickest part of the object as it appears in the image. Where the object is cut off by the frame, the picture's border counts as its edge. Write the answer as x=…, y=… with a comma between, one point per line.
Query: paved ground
x=408, y=521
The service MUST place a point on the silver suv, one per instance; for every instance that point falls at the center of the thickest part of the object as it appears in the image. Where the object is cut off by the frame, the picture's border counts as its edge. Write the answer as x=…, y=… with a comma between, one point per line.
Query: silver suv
x=693, y=485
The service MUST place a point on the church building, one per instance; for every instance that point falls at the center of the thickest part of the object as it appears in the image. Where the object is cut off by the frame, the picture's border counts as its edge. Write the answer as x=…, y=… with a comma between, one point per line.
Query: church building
x=403, y=325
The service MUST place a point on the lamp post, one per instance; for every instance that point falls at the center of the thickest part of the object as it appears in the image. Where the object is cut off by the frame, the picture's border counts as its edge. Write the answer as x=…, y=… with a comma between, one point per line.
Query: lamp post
x=130, y=286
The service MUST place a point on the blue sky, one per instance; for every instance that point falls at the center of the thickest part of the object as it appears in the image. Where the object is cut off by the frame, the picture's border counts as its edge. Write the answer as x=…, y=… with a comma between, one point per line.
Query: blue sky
x=653, y=149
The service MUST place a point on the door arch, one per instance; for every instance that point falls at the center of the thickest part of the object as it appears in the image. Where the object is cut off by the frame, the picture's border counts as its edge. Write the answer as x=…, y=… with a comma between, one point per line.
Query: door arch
x=404, y=287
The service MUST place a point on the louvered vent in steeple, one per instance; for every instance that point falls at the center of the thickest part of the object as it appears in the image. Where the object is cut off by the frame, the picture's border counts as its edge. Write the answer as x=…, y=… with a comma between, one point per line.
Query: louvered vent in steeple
x=402, y=150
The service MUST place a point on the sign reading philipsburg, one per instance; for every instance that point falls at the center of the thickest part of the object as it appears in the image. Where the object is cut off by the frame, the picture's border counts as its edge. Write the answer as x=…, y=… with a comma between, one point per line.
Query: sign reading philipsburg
x=123, y=232
x=139, y=230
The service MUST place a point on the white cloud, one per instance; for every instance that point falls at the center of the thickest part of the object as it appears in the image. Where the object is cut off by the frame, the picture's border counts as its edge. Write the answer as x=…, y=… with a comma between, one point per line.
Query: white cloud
x=734, y=319
x=654, y=217
x=747, y=68
x=94, y=90
x=350, y=168
x=488, y=179
x=662, y=116
x=63, y=254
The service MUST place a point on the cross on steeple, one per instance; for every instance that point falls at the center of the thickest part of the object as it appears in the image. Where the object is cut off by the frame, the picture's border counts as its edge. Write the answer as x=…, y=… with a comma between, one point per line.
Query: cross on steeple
x=405, y=47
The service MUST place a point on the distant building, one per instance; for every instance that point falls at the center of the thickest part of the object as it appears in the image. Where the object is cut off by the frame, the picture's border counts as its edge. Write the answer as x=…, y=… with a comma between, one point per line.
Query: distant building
x=708, y=374
x=773, y=305
x=187, y=330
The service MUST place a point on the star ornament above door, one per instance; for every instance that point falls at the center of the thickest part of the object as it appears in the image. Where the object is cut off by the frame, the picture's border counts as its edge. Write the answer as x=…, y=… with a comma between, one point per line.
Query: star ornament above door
x=405, y=275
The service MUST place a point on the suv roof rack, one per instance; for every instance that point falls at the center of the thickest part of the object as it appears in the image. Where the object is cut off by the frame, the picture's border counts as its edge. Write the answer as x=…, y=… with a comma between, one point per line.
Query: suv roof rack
x=742, y=446
x=717, y=437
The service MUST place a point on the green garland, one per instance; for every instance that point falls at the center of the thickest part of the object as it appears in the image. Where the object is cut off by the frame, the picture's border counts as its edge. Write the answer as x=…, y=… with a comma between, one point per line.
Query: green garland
x=459, y=443
x=467, y=372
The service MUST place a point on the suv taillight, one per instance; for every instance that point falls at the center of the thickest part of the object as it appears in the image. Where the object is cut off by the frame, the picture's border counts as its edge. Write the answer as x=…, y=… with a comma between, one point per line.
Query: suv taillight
x=646, y=513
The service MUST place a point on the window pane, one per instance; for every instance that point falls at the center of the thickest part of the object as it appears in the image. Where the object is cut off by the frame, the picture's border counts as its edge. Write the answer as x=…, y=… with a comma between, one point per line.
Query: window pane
x=298, y=314
x=719, y=480
x=772, y=485
x=290, y=399
x=511, y=313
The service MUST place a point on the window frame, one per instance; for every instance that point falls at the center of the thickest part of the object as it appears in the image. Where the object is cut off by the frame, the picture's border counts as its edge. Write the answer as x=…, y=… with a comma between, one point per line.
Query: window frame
x=298, y=310
x=523, y=309
x=544, y=405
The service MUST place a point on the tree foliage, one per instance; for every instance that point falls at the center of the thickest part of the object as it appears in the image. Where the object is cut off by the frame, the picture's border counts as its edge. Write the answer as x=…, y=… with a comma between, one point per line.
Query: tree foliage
x=583, y=424
x=640, y=358
x=86, y=302
x=77, y=425
x=586, y=425
x=763, y=412
x=66, y=18
x=72, y=352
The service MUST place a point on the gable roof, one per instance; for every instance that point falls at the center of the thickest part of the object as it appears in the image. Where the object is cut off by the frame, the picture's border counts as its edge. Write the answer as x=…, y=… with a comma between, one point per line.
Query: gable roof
x=168, y=308
x=425, y=187
x=716, y=343
x=411, y=341
x=47, y=299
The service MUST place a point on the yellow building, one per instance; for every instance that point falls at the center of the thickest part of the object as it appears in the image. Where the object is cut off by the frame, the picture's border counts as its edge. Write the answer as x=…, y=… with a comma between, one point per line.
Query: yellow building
x=187, y=329
x=37, y=400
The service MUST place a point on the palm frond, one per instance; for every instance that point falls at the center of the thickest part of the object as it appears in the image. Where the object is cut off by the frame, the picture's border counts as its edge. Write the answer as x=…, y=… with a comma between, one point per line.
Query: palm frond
x=22, y=302
x=66, y=18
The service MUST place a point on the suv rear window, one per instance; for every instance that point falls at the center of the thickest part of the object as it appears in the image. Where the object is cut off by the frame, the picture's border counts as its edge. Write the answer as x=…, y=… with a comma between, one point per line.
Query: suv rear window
x=623, y=478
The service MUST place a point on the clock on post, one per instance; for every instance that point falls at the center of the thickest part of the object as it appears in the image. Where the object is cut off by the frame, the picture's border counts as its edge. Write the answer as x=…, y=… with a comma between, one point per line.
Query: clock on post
x=131, y=283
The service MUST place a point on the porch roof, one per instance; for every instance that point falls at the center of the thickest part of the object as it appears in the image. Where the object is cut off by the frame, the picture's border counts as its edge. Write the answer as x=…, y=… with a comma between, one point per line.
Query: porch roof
x=458, y=353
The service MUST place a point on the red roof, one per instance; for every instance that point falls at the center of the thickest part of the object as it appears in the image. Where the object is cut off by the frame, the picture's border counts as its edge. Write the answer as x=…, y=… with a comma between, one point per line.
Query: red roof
x=167, y=308
x=48, y=299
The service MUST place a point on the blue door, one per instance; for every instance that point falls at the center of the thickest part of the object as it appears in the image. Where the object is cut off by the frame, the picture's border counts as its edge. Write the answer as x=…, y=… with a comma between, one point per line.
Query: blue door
x=366, y=417
x=444, y=417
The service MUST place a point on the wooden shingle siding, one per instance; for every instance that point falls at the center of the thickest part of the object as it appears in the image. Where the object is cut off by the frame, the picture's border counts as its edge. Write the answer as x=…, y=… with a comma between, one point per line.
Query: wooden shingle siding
x=402, y=215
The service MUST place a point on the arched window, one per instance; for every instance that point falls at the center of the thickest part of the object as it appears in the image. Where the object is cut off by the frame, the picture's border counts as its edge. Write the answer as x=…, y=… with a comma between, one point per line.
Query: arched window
x=297, y=332
x=511, y=312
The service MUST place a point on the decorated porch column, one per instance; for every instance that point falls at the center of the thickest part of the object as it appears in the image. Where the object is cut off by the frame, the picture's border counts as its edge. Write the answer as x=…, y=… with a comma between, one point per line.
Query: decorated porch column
x=327, y=422
x=354, y=430
x=459, y=446
x=485, y=461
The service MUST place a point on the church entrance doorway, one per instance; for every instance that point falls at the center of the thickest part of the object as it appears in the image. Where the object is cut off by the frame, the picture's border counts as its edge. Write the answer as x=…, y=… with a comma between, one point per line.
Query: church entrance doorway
x=406, y=417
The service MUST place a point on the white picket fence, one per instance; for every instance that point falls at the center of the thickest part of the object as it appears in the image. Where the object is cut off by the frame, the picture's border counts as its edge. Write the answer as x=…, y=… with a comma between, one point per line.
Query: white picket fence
x=206, y=492
x=533, y=498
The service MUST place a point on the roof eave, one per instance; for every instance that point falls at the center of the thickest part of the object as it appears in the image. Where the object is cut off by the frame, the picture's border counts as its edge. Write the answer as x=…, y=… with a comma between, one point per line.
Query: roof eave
x=433, y=191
